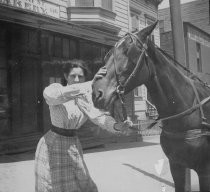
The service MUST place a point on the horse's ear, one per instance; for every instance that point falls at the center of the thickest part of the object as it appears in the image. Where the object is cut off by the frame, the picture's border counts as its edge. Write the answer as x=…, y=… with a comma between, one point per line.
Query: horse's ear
x=144, y=33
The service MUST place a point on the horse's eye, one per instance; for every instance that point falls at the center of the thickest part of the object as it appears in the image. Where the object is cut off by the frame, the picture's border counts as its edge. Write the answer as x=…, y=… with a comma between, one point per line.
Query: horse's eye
x=130, y=40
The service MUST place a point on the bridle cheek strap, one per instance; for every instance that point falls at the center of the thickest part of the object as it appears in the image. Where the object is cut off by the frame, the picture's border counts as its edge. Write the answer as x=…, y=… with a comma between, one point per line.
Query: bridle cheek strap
x=120, y=89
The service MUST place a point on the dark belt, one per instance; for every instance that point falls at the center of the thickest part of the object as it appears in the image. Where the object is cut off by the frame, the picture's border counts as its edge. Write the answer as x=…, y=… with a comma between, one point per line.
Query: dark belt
x=64, y=132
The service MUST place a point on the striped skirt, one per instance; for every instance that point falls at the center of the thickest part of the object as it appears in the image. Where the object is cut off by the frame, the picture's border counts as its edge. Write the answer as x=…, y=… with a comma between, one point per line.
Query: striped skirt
x=60, y=167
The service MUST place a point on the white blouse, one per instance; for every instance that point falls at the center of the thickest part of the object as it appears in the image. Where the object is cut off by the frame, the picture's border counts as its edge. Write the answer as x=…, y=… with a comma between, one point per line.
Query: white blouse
x=70, y=106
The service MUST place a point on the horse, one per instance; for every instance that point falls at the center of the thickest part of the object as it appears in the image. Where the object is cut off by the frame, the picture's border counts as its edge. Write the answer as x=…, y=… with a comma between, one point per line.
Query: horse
x=182, y=102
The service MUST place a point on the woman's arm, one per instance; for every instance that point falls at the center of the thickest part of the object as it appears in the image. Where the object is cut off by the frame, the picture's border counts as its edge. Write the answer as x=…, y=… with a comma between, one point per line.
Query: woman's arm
x=56, y=94
x=101, y=118
x=108, y=123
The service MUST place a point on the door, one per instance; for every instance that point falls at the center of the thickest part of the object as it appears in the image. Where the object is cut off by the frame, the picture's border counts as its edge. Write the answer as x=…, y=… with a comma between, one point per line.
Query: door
x=29, y=100
x=25, y=96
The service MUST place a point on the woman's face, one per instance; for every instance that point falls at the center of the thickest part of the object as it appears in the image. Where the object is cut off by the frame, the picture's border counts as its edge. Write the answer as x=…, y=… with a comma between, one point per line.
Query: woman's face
x=76, y=75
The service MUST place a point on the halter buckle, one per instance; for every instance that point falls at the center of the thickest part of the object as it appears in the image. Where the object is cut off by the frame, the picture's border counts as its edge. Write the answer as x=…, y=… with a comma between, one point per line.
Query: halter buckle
x=120, y=89
x=145, y=47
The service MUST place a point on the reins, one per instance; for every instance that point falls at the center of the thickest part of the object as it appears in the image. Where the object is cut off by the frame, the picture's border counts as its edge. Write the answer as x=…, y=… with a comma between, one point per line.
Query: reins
x=184, y=113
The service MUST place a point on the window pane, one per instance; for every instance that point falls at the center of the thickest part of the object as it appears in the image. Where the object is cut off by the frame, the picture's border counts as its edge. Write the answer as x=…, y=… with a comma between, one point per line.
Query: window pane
x=198, y=54
x=134, y=22
x=107, y=4
x=65, y=48
x=136, y=91
x=84, y=3
x=161, y=26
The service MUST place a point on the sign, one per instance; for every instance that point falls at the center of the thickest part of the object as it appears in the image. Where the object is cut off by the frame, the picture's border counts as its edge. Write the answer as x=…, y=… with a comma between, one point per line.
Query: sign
x=38, y=6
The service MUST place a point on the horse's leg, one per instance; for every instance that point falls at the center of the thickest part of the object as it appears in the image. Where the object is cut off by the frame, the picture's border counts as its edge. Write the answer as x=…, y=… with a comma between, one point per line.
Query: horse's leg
x=178, y=174
x=204, y=178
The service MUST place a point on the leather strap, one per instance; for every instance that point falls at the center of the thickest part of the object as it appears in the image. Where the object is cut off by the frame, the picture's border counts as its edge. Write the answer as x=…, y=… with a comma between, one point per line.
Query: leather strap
x=198, y=99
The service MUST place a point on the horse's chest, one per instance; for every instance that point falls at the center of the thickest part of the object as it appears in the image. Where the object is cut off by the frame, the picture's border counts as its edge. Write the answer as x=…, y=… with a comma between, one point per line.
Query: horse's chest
x=188, y=152
x=189, y=122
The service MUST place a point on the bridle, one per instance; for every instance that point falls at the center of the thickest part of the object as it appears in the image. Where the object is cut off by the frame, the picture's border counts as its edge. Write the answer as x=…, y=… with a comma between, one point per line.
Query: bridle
x=120, y=88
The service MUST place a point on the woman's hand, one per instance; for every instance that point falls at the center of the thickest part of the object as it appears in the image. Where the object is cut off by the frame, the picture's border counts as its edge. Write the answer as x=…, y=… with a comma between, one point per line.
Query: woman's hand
x=100, y=74
x=123, y=127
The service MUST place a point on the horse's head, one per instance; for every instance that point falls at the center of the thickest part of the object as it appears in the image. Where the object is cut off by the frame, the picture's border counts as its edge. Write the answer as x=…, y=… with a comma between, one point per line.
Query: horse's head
x=123, y=62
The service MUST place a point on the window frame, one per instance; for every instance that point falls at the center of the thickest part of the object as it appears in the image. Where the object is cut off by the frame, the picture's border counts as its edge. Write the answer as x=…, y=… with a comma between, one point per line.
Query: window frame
x=199, y=58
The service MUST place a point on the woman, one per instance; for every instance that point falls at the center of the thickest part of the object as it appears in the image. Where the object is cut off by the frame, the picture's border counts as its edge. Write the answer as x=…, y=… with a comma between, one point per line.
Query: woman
x=59, y=163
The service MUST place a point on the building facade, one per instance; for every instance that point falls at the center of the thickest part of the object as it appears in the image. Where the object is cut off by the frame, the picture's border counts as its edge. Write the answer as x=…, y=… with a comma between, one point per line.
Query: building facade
x=195, y=16
x=34, y=37
x=195, y=12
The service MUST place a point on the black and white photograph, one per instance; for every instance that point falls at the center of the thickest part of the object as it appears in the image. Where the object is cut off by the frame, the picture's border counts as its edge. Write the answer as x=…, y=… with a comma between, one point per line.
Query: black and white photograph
x=104, y=96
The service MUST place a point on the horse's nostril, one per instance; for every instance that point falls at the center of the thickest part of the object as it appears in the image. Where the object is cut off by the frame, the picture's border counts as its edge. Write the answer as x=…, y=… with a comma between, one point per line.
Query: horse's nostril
x=100, y=94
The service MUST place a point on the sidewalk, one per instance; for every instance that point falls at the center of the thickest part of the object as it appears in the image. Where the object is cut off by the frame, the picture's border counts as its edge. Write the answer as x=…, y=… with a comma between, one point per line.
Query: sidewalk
x=120, y=167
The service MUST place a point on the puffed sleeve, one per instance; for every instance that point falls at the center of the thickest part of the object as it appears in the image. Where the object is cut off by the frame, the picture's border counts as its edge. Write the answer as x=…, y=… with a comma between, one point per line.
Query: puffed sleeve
x=56, y=94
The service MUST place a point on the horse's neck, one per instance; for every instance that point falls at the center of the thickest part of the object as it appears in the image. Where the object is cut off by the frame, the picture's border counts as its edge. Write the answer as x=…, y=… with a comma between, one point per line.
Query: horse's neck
x=169, y=89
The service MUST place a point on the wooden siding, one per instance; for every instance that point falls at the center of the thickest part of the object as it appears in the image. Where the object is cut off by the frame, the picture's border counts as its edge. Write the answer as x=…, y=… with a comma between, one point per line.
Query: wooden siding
x=146, y=9
x=121, y=8
x=166, y=42
x=196, y=12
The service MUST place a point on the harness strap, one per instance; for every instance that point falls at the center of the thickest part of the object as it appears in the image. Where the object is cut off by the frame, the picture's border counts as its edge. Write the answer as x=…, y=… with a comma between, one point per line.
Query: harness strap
x=122, y=101
x=189, y=134
x=198, y=99
x=139, y=62
x=186, y=112
x=120, y=89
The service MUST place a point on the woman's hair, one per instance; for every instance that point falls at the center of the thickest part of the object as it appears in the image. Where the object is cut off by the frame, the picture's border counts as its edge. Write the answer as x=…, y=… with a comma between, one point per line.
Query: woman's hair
x=75, y=63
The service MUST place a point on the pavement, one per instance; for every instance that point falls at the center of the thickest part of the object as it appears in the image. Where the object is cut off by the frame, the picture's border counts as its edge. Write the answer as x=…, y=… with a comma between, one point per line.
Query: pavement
x=116, y=167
